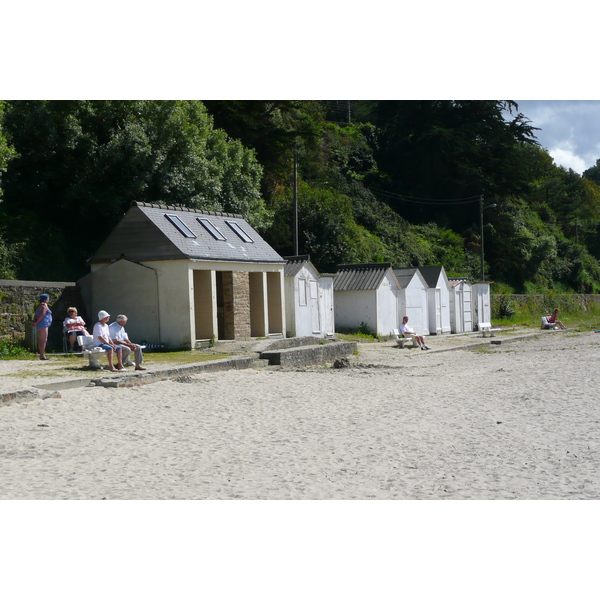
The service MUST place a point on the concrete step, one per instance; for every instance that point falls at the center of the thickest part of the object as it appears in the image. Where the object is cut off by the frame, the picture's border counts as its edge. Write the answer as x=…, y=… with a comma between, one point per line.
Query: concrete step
x=259, y=363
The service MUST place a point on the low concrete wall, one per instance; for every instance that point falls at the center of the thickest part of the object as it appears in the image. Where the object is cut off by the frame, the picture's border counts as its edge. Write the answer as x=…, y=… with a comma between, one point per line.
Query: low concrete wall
x=309, y=355
x=295, y=342
x=235, y=362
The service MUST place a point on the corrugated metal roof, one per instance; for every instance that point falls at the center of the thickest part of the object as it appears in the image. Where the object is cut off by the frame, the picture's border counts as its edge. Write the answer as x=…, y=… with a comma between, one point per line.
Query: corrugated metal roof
x=295, y=264
x=366, y=276
x=145, y=233
x=405, y=274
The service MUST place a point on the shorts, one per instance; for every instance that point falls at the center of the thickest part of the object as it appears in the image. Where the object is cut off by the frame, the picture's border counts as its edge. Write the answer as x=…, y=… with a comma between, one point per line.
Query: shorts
x=107, y=347
x=76, y=332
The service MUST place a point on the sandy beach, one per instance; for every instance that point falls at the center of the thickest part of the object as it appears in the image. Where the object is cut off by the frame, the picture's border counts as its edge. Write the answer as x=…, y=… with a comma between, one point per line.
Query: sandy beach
x=518, y=420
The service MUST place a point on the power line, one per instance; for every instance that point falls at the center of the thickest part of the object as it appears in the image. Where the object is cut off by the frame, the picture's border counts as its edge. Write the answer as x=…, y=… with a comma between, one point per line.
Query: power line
x=431, y=201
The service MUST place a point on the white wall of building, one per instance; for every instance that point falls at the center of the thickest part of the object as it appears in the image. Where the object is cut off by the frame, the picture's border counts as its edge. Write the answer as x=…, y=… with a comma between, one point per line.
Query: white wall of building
x=355, y=307
x=304, y=303
x=387, y=306
x=483, y=307
x=412, y=302
x=438, y=306
x=327, y=305
x=158, y=296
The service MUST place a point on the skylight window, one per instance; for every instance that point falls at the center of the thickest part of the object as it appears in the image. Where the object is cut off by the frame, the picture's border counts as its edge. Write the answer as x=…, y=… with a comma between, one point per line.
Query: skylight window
x=211, y=229
x=239, y=231
x=181, y=226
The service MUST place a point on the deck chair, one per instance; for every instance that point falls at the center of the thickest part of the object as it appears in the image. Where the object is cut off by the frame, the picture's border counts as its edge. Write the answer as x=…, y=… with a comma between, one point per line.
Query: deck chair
x=65, y=341
x=545, y=325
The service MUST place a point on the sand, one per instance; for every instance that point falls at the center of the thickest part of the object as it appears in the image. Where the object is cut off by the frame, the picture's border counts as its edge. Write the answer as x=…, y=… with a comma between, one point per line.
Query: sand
x=518, y=420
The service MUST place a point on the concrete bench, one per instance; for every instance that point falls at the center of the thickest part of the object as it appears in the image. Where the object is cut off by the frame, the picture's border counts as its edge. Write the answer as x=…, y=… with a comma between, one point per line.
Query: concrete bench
x=93, y=354
x=489, y=331
x=407, y=339
x=401, y=341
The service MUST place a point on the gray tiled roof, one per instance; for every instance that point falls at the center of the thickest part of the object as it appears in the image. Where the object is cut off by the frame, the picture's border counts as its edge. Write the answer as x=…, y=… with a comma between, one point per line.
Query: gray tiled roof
x=366, y=276
x=145, y=233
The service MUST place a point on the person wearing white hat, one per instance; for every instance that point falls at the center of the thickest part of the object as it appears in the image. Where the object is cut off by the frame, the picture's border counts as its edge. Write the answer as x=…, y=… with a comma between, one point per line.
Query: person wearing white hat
x=102, y=339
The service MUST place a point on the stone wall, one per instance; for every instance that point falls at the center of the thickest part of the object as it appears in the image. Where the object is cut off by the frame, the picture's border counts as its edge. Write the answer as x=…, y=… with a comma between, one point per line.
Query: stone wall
x=19, y=299
x=545, y=303
x=241, y=304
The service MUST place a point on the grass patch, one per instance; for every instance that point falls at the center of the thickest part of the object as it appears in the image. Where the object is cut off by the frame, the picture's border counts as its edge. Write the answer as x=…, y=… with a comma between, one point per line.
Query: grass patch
x=572, y=315
x=182, y=357
x=72, y=364
x=357, y=337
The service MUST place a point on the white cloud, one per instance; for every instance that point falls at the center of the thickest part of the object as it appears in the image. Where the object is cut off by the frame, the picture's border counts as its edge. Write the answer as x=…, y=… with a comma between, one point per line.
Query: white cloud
x=564, y=157
x=569, y=130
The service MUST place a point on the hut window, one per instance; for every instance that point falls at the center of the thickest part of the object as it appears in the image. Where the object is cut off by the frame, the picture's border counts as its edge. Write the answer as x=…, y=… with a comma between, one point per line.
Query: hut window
x=302, y=292
x=239, y=231
x=180, y=225
x=211, y=229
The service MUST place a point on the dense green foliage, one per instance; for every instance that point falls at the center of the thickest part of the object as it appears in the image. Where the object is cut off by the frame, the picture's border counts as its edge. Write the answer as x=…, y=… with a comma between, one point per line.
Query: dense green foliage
x=396, y=181
x=81, y=164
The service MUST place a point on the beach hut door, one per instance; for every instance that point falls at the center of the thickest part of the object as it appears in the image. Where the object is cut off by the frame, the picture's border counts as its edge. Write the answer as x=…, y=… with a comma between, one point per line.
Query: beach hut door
x=314, y=307
x=458, y=312
x=438, y=311
x=467, y=310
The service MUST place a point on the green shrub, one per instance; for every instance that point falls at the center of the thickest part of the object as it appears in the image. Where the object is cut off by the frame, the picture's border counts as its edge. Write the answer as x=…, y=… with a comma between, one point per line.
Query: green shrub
x=12, y=348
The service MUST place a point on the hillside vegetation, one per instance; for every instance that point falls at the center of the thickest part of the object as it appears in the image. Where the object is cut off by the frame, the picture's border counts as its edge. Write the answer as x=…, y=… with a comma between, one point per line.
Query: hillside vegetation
x=397, y=181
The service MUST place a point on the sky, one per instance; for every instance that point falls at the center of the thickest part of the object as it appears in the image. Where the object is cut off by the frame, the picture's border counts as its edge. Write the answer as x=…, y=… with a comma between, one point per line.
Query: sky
x=569, y=130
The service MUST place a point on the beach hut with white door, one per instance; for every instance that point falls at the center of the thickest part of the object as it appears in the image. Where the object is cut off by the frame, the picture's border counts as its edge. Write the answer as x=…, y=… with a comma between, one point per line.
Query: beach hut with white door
x=309, y=299
x=366, y=294
x=412, y=298
x=483, y=306
x=438, y=299
x=461, y=305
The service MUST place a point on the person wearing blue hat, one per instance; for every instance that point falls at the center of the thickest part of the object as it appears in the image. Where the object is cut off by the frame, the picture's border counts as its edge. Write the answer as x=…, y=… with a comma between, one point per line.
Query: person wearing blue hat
x=41, y=321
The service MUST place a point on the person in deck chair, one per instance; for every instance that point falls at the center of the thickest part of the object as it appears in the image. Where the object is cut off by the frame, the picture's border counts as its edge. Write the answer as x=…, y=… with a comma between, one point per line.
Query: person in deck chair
x=552, y=319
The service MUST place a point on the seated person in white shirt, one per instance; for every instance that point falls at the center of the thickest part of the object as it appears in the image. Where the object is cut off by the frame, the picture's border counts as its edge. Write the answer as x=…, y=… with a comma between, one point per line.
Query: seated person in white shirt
x=406, y=330
x=102, y=340
x=74, y=326
x=119, y=336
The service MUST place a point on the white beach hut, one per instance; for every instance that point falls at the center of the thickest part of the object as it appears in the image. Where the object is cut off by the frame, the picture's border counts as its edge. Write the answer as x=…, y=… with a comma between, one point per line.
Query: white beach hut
x=461, y=305
x=483, y=305
x=438, y=299
x=412, y=298
x=308, y=299
x=366, y=293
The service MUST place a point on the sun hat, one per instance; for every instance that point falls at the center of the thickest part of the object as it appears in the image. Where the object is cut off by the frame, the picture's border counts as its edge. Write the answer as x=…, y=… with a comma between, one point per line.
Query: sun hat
x=102, y=315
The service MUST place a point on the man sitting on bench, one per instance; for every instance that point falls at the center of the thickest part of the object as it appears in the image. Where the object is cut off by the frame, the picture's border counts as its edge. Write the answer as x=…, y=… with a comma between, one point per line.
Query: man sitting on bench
x=119, y=336
x=406, y=330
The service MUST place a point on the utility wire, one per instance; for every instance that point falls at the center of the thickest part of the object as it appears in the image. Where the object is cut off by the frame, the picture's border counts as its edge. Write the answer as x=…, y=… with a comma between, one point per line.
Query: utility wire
x=433, y=201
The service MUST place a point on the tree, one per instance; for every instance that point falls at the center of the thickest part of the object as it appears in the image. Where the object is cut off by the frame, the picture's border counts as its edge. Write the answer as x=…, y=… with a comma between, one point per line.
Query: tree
x=450, y=149
x=82, y=163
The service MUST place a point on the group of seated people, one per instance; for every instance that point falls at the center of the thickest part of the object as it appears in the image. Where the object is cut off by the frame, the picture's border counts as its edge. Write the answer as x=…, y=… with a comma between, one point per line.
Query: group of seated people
x=113, y=338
